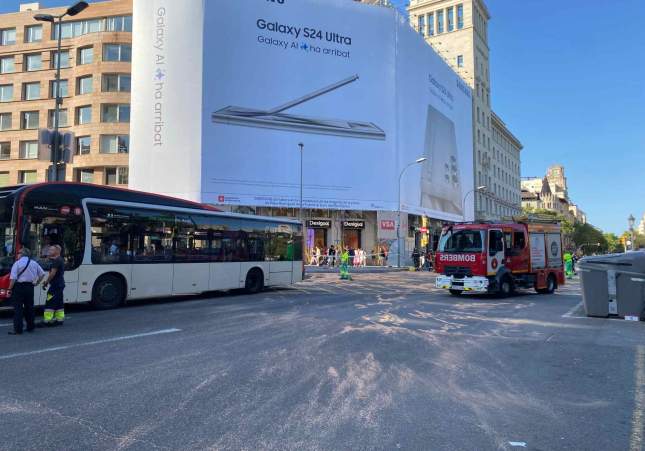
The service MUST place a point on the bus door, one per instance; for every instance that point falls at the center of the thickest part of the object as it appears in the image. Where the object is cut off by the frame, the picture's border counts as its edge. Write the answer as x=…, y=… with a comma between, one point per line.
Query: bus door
x=64, y=226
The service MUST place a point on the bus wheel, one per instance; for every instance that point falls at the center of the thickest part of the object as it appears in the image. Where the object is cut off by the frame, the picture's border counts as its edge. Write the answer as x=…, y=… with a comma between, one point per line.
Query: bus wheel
x=108, y=292
x=506, y=287
x=254, y=281
x=456, y=292
x=551, y=285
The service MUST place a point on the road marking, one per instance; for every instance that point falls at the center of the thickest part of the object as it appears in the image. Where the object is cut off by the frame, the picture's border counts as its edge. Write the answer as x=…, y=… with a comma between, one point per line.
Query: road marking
x=89, y=343
x=636, y=439
x=6, y=324
x=569, y=314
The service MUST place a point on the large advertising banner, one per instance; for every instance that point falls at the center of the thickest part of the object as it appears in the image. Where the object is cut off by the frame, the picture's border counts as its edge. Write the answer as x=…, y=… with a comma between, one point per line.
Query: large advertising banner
x=346, y=91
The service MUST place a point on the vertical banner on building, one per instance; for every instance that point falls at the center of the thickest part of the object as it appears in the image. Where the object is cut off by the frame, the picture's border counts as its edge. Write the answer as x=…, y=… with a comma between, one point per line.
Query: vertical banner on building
x=166, y=112
x=358, y=88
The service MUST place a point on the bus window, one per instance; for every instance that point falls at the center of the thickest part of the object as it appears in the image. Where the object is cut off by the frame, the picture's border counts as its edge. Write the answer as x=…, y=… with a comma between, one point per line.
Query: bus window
x=111, y=235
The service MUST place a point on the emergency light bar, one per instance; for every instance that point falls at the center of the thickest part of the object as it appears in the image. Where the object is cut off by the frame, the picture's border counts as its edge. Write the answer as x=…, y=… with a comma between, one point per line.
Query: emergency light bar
x=276, y=119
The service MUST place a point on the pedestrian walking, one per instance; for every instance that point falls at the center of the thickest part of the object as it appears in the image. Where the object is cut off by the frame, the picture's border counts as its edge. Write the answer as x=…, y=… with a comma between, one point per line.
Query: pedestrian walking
x=415, y=258
x=54, y=314
x=25, y=273
x=332, y=256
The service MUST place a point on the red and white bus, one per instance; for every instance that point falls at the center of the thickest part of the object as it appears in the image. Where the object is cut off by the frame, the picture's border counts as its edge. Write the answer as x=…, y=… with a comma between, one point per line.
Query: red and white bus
x=120, y=245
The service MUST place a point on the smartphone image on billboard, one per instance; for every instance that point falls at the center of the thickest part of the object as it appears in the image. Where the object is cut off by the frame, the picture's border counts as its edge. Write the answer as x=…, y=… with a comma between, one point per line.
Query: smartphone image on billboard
x=275, y=118
x=440, y=179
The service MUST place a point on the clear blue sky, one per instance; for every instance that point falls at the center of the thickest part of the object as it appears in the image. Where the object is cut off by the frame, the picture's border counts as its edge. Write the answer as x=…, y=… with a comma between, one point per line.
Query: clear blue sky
x=568, y=78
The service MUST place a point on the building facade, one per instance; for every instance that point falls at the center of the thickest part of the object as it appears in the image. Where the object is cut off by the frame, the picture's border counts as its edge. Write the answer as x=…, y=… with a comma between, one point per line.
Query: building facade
x=551, y=192
x=458, y=31
x=95, y=86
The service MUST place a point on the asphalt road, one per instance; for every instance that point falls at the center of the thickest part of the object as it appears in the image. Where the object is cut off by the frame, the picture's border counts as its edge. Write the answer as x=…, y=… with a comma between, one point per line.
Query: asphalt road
x=383, y=362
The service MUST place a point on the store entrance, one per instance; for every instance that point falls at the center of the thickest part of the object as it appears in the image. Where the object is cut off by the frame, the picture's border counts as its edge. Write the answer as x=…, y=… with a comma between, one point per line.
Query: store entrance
x=319, y=238
x=352, y=238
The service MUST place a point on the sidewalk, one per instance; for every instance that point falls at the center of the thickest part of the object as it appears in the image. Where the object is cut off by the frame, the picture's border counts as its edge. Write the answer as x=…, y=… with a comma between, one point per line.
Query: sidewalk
x=310, y=269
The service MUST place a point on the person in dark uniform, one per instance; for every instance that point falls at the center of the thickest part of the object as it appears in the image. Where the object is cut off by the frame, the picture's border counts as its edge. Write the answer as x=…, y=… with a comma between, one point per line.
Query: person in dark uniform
x=416, y=259
x=25, y=273
x=54, y=314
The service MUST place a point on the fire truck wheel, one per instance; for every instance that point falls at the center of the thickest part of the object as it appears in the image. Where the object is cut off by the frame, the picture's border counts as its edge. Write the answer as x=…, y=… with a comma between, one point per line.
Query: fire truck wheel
x=505, y=287
x=551, y=285
x=456, y=292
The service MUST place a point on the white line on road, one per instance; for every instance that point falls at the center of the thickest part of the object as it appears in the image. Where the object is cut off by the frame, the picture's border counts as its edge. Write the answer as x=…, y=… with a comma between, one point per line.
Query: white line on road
x=89, y=343
x=636, y=439
x=570, y=313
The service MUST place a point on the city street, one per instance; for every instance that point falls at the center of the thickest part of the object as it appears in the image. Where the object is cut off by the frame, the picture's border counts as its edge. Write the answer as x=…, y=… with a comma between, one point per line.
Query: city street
x=383, y=362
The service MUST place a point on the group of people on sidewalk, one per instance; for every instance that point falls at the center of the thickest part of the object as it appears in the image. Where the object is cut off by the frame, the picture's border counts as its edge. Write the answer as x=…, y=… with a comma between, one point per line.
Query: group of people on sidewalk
x=357, y=257
x=25, y=275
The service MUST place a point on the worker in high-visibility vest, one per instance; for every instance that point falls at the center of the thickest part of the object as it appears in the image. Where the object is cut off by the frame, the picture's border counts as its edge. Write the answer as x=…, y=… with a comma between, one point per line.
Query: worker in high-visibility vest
x=568, y=265
x=54, y=314
x=344, y=265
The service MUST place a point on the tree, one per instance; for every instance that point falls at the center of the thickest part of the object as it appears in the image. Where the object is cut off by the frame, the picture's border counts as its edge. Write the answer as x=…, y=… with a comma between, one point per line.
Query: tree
x=587, y=238
x=613, y=243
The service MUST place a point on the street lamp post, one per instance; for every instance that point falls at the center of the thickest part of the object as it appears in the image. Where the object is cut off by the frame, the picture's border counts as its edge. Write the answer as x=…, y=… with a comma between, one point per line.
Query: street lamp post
x=630, y=221
x=73, y=10
x=398, y=223
x=479, y=189
x=302, y=147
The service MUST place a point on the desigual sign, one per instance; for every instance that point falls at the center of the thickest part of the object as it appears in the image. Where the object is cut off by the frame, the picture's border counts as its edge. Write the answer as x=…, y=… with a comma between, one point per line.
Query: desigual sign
x=353, y=224
x=319, y=223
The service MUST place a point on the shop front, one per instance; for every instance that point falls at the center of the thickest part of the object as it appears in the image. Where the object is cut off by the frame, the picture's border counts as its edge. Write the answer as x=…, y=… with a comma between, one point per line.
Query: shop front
x=318, y=233
x=352, y=233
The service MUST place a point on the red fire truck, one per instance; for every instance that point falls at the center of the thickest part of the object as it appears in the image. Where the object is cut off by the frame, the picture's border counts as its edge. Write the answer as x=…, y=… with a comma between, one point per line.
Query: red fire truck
x=500, y=257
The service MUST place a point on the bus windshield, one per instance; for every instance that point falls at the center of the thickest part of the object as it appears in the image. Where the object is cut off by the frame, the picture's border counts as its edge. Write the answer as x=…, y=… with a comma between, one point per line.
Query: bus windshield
x=462, y=241
x=6, y=235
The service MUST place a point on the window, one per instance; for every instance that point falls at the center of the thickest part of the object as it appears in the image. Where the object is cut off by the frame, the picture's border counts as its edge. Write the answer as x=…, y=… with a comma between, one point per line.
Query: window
x=117, y=52
x=495, y=240
x=84, y=85
x=116, y=83
x=33, y=62
x=422, y=24
x=4, y=178
x=460, y=60
x=115, y=144
x=116, y=176
x=83, y=145
x=439, y=21
x=27, y=177
x=62, y=118
x=85, y=175
x=85, y=55
x=110, y=176
x=431, y=24
x=81, y=27
x=34, y=33
x=8, y=36
x=115, y=113
x=7, y=65
x=83, y=114
x=460, y=17
x=119, y=23
x=28, y=150
x=451, y=19
x=64, y=92
x=122, y=176
x=6, y=93
x=30, y=120
x=5, y=151
x=5, y=121
x=64, y=59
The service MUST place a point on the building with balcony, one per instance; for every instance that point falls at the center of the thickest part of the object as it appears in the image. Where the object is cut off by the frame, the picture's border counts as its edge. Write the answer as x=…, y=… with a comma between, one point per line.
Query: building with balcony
x=95, y=86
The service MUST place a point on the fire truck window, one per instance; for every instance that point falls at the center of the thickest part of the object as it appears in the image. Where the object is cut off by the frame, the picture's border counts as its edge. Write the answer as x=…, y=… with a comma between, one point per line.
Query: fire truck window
x=519, y=242
x=496, y=242
x=508, y=239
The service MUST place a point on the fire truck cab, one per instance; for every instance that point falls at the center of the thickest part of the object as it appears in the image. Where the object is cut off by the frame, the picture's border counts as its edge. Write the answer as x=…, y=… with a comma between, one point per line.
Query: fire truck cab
x=500, y=257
